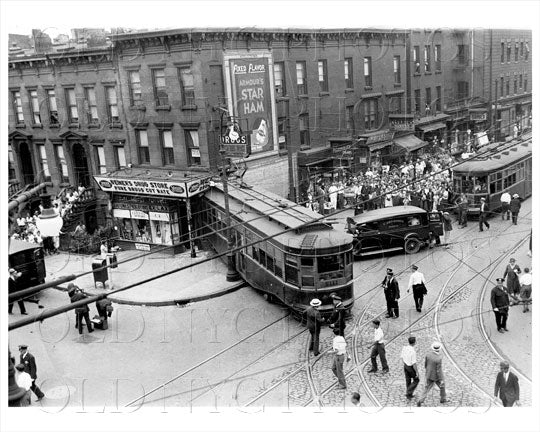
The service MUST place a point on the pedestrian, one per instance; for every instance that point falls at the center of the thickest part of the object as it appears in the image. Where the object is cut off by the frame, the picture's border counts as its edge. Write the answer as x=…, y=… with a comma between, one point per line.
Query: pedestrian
x=418, y=285
x=482, y=217
x=378, y=348
x=337, y=319
x=507, y=386
x=104, y=310
x=339, y=346
x=505, y=205
x=314, y=321
x=530, y=245
x=512, y=279
x=103, y=249
x=515, y=206
x=82, y=311
x=408, y=355
x=24, y=380
x=434, y=373
x=30, y=368
x=526, y=289
x=500, y=302
x=13, y=284
x=391, y=294
x=447, y=224
x=463, y=210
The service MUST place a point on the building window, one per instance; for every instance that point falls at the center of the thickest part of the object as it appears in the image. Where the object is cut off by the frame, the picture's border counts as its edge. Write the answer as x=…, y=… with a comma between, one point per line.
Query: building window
x=142, y=144
x=417, y=107
x=349, y=119
x=416, y=59
x=508, y=52
x=323, y=75
x=397, y=70
x=34, y=105
x=303, y=127
x=437, y=58
x=508, y=87
x=91, y=105
x=61, y=163
x=135, y=91
x=526, y=51
x=279, y=79
x=367, y=72
x=516, y=52
x=502, y=86
x=463, y=54
x=428, y=101
x=11, y=164
x=100, y=159
x=438, y=101
x=112, y=104
x=43, y=162
x=167, y=147
x=187, y=86
x=525, y=80
x=120, y=156
x=520, y=80
x=301, y=81
x=515, y=84
x=160, y=89
x=348, y=66
x=370, y=114
x=502, y=52
x=17, y=106
x=395, y=104
x=71, y=101
x=53, y=109
x=463, y=90
x=521, y=49
x=427, y=58
x=283, y=133
x=192, y=145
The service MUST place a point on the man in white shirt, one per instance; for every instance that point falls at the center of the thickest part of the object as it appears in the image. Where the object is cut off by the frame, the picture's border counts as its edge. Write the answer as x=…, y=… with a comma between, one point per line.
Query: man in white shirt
x=339, y=345
x=505, y=205
x=24, y=381
x=418, y=285
x=526, y=289
x=378, y=348
x=408, y=355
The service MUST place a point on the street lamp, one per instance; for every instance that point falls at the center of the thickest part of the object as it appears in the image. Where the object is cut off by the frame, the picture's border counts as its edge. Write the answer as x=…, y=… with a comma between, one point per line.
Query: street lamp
x=49, y=223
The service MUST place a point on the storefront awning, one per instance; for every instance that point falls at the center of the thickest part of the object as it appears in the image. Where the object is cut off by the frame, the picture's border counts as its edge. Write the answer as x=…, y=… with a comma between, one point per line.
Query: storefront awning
x=432, y=127
x=410, y=143
x=318, y=162
x=379, y=145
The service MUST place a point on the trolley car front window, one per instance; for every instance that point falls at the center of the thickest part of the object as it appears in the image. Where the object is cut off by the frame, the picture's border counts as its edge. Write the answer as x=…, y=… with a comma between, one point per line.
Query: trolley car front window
x=330, y=263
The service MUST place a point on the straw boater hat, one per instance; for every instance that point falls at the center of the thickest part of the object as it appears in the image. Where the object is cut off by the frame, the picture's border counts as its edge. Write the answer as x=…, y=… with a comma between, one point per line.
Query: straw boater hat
x=315, y=302
x=436, y=347
x=516, y=196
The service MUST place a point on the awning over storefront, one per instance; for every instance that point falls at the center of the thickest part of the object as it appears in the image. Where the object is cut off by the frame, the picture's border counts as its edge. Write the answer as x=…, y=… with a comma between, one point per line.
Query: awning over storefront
x=318, y=162
x=432, y=127
x=410, y=143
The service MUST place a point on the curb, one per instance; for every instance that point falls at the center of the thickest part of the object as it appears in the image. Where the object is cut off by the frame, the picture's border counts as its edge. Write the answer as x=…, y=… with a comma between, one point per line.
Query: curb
x=172, y=302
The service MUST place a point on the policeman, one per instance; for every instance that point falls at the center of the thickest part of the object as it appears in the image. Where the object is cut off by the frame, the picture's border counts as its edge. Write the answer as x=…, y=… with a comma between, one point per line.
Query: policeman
x=337, y=320
x=500, y=302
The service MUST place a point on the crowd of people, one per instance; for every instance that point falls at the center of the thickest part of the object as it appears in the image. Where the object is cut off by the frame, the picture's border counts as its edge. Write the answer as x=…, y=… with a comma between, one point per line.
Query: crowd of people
x=408, y=183
x=28, y=231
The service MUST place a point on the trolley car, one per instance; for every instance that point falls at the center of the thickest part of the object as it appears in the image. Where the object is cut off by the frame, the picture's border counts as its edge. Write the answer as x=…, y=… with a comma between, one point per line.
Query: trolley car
x=509, y=169
x=310, y=260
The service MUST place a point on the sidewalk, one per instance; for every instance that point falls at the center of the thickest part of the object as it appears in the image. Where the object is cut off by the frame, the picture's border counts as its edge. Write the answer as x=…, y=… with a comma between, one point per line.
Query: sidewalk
x=197, y=283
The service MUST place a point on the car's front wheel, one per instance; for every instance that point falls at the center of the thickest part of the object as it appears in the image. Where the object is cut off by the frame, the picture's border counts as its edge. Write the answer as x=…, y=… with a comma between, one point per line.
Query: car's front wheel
x=412, y=245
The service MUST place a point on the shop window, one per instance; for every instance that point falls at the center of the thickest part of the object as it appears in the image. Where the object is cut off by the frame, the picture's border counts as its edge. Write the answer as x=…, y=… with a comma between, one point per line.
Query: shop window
x=279, y=79
x=17, y=106
x=323, y=75
x=135, y=89
x=142, y=144
x=167, y=147
x=142, y=230
x=301, y=78
x=160, y=88
x=192, y=147
x=368, y=81
x=187, y=86
x=71, y=102
x=34, y=105
x=348, y=66
x=53, y=109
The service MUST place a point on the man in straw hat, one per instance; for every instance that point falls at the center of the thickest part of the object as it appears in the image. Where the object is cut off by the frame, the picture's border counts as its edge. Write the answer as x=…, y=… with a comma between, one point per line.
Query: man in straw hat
x=434, y=373
x=515, y=206
x=507, y=386
x=314, y=321
x=482, y=217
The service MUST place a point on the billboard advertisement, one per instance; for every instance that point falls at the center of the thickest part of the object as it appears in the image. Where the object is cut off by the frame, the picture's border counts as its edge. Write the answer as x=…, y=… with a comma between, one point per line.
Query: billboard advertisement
x=252, y=100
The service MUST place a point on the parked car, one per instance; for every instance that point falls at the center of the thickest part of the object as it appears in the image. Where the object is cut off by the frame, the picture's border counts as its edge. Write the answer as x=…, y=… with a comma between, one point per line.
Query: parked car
x=392, y=229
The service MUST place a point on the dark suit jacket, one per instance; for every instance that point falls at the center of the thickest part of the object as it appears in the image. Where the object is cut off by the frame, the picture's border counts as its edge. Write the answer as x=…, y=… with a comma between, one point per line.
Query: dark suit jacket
x=508, y=390
x=29, y=363
x=392, y=287
x=433, y=366
x=500, y=299
x=338, y=317
x=515, y=205
x=314, y=319
x=12, y=285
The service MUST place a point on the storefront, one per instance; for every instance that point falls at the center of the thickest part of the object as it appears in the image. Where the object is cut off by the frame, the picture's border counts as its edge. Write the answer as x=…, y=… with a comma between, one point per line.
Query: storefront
x=379, y=147
x=478, y=120
x=432, y=129
x=313, y=165
x=153, y=208
x=408, y=146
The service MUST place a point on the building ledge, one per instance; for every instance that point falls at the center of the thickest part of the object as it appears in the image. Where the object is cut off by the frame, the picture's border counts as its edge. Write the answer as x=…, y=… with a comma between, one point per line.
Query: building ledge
x=163, y=107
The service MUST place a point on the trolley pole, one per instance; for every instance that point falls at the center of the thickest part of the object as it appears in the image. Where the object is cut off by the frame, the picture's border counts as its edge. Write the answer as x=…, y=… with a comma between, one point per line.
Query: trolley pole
x=232, y=274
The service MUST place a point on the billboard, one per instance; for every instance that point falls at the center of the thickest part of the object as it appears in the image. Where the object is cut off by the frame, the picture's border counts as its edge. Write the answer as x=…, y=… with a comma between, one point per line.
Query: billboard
x=252, y=100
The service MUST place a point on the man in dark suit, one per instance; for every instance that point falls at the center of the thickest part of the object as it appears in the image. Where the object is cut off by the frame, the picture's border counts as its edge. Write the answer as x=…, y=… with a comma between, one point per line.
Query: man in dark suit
x=337, y=320
x=507, y=386
x=515, y=206
x=391, y=293
x=82, y=311
x=314, y=321
x=482, y=217
x=434, y=373
x=30, y=368
x=500, y=302
x=14, y=275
